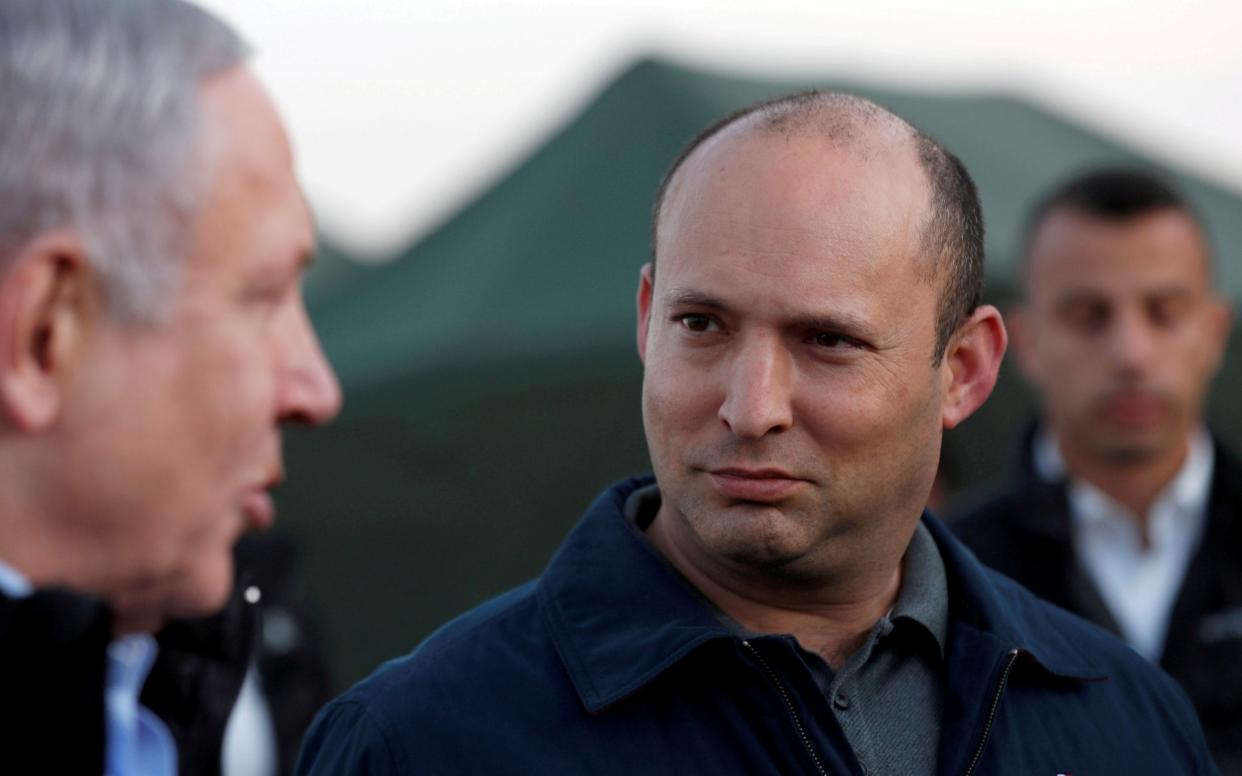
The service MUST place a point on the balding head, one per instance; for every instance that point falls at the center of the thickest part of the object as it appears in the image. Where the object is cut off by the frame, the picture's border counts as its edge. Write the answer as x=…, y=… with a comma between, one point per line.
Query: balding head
x=952, y=227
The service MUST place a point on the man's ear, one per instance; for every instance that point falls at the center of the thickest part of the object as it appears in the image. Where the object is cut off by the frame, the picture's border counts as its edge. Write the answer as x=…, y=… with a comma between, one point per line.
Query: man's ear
x=44, y=297
x=646, y=284
x=972, y=360
x=1220, y=326
x=1021, y=337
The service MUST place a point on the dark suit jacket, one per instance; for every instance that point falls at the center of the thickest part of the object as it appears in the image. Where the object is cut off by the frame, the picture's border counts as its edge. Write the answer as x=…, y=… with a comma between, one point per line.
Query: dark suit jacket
x=53, y=664
x=195, y=682
x=53, y=659
x=1024, y=532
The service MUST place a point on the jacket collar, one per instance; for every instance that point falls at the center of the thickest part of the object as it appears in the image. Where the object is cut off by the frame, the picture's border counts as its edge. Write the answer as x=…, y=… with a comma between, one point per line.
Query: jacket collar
x=619, y=615
x=1000, y=610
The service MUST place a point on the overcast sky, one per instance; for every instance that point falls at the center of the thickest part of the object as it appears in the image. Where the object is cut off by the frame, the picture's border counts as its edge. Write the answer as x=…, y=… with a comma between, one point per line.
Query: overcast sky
x=402, y=109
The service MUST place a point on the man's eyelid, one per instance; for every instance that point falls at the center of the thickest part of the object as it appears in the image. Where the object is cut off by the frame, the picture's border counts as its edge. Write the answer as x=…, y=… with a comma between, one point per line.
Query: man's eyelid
x=278, y=279
x=1171, y=301
x=713, y=320
x=846, y=340
x=1078, y=310
x=272, y=289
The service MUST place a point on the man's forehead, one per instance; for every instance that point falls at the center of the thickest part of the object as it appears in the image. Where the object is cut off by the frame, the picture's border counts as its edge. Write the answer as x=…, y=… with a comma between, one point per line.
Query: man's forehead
x=785, y=189
x=844, y=137
x=241, y=129
x=845, y=158
x=1072, y=247
x=253, y=218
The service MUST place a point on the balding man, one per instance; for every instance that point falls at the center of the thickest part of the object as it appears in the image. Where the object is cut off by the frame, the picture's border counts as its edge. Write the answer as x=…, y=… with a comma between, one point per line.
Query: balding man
x=1125, y=510
x=776, y=600
x=152, y=341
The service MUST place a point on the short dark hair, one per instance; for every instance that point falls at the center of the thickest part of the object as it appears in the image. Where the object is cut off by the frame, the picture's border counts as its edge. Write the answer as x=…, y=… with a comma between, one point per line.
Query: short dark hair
x=953, y=233
x=1105, y=193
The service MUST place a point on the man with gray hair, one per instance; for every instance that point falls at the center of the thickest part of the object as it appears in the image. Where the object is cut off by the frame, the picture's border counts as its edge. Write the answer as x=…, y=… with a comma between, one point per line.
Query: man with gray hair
x=152, y=341
x=776, y=599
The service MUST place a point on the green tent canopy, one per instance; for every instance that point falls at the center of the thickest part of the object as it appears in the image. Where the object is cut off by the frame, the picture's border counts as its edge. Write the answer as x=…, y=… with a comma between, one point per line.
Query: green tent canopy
x=492, y=387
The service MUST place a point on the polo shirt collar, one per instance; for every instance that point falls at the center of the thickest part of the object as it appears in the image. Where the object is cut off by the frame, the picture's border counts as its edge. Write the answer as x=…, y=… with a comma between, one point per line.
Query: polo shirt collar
x=924, y=594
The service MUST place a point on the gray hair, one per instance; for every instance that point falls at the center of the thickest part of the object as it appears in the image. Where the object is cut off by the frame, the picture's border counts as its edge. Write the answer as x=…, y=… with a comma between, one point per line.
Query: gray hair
x=100, y=133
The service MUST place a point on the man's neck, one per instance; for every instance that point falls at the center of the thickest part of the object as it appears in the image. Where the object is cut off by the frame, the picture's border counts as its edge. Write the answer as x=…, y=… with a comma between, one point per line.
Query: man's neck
x=832, y=619
x=43, y=558
x=1135, y=484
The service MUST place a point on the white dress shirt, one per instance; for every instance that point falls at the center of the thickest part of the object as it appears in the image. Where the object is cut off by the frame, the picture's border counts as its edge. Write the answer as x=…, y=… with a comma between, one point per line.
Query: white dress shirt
x=12, y=583
x=249, y=747
x=1138, y=584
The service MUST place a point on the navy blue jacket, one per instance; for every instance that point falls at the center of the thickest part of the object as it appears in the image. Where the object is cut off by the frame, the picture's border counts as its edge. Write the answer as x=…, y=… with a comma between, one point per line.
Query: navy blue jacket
x=1024, y=532
x=610, y=663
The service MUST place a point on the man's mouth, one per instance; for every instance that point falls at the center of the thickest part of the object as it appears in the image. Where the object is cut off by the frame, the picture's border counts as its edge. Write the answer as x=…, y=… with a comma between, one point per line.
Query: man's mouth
x=259, y=509
x=764, y=485
x=1133, y=408
x=257, y=504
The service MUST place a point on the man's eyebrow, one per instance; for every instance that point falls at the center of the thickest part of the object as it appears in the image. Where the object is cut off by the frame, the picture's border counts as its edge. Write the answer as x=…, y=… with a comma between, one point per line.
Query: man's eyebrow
x=685, y=297
x=846, y=324
x=1074, y=296
x=1169, y=292
x=838, y=322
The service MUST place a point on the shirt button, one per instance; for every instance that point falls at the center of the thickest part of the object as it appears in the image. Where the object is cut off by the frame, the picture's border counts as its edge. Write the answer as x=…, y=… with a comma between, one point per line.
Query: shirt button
x=841, y=701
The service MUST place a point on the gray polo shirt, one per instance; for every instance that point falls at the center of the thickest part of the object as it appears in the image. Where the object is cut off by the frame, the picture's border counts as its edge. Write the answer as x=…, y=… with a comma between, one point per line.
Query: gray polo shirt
x=889, y=696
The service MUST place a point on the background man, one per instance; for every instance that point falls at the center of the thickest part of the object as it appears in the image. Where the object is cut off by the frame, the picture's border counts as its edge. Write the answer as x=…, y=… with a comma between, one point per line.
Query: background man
x=1125, y=510
x=152, y=340
x=776, y=603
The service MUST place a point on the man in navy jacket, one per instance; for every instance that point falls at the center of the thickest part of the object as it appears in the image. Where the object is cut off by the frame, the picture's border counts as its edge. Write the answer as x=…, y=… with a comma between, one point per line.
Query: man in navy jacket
x=775, y=600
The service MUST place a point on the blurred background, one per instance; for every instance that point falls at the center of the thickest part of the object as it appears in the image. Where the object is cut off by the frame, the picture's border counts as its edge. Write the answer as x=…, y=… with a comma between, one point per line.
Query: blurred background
x=482, y=173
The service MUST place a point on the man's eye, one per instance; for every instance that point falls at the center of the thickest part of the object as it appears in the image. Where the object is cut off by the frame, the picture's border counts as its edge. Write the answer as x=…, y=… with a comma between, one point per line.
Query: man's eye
x=828, y=339
x=1086, y=317
x=1166, y=312
x=697, y=323
x=265, y=297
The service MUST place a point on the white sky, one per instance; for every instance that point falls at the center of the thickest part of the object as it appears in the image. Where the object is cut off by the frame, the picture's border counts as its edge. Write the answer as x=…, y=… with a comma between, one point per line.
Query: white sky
x=400, y=110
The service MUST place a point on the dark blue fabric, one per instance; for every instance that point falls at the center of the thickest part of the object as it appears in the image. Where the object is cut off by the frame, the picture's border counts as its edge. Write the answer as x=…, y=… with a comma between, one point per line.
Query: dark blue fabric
x=610, y=663
x=1024, y=532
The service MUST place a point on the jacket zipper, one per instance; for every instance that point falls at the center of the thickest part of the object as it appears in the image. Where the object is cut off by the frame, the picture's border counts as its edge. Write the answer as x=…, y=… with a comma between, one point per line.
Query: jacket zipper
x=996, y=698
x=793, y=713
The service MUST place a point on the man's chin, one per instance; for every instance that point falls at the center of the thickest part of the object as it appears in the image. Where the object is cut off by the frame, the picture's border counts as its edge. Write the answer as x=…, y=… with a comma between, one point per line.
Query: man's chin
x=1132, y=448
x=769, y=547
x=197, y=595
x=204, y=596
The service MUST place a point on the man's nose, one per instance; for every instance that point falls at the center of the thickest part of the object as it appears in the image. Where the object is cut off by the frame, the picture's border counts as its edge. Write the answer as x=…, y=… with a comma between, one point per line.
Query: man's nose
x=307, y=391
x=757, y=399
x=1131, y=343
